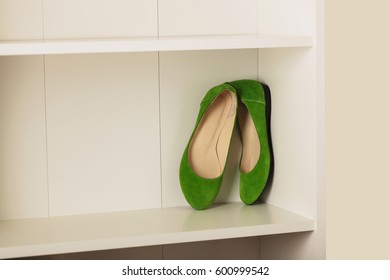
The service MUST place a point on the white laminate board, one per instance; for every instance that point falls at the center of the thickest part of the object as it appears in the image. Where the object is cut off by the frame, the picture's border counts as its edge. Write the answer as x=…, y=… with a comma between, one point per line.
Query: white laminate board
x=286, y=17
x=103, y=133
x=224, y=249
x=143, y=44
x=185, y=77
x=21, y=20
x=203, y=17
x=291, y=76
x=23, y=166
x=144, y=228
x=99, y=18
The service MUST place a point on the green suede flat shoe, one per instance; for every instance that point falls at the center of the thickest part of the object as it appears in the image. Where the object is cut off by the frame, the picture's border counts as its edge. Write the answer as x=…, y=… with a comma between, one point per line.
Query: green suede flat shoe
x=254, y=112
x=204, y=159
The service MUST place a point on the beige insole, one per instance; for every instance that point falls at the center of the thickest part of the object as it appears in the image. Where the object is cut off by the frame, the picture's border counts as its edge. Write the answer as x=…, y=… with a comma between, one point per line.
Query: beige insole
x=250, y=139
x=209, y=147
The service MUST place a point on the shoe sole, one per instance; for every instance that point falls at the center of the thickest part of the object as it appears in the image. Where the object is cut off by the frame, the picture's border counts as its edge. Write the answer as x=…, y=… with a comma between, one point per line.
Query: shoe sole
x=267, y=95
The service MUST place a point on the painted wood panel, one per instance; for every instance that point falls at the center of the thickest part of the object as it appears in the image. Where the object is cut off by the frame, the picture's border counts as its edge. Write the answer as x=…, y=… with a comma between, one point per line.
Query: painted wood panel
x=23, y=168
x=203, y=17
x=103, y=133
x=21, y=19
x=99, y=18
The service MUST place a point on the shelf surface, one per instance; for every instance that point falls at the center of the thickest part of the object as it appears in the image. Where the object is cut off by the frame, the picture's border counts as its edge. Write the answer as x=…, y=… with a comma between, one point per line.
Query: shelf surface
x=40, y=47
x=45, y=236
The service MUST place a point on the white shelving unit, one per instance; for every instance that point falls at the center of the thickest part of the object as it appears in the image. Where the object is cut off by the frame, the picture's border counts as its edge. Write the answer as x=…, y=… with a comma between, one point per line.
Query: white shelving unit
x=96, y=106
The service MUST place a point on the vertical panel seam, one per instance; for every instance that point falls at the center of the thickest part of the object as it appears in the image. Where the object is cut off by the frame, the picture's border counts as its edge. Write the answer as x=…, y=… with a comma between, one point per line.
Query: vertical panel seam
x=43, y=19
x=260, y=255
x=159, y=104
x=257, y=17
x=46, y=136
x=158, y=18
x=45, y=101
x=160, y=124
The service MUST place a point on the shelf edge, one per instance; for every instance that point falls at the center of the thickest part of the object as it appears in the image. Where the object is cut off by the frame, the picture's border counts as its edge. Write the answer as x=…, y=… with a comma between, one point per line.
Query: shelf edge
x=151, y=240
x=50, y=47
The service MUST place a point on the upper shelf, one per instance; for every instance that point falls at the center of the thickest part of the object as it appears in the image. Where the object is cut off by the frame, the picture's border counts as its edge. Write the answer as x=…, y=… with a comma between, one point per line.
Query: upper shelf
x=120, y=45
x=46, y=236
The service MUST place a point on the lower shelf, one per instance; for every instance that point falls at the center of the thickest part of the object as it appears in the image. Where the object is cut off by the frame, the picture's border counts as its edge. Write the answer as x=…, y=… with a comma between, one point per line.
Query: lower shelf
x=46, y=236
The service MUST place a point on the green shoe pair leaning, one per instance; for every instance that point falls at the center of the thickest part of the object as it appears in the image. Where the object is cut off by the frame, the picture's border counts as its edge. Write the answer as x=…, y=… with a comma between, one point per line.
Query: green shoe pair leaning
x=204, y=160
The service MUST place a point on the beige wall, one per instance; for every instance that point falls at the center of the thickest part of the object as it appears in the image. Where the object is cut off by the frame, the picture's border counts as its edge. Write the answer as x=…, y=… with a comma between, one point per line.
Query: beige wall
x=358, y=129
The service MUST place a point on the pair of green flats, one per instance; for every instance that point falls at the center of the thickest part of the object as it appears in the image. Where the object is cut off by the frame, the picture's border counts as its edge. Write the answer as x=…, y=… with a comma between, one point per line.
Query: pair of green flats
x=204, y=160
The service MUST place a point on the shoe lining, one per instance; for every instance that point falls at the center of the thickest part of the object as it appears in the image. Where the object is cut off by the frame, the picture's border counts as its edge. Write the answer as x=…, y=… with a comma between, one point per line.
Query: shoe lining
x=250, y=139
x=209, y=146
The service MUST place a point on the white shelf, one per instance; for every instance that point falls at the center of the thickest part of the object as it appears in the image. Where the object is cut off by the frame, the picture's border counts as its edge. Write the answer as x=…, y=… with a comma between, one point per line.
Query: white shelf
x=40, y=47
x=33, y=237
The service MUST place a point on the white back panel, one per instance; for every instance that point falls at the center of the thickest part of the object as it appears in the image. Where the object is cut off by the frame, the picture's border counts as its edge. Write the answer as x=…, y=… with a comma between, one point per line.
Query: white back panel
x=21, y=19
x=225, y=249
x=290, y=246
x=203, y=17
x=103, y=132
x=287, y=17
x=100, y=18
